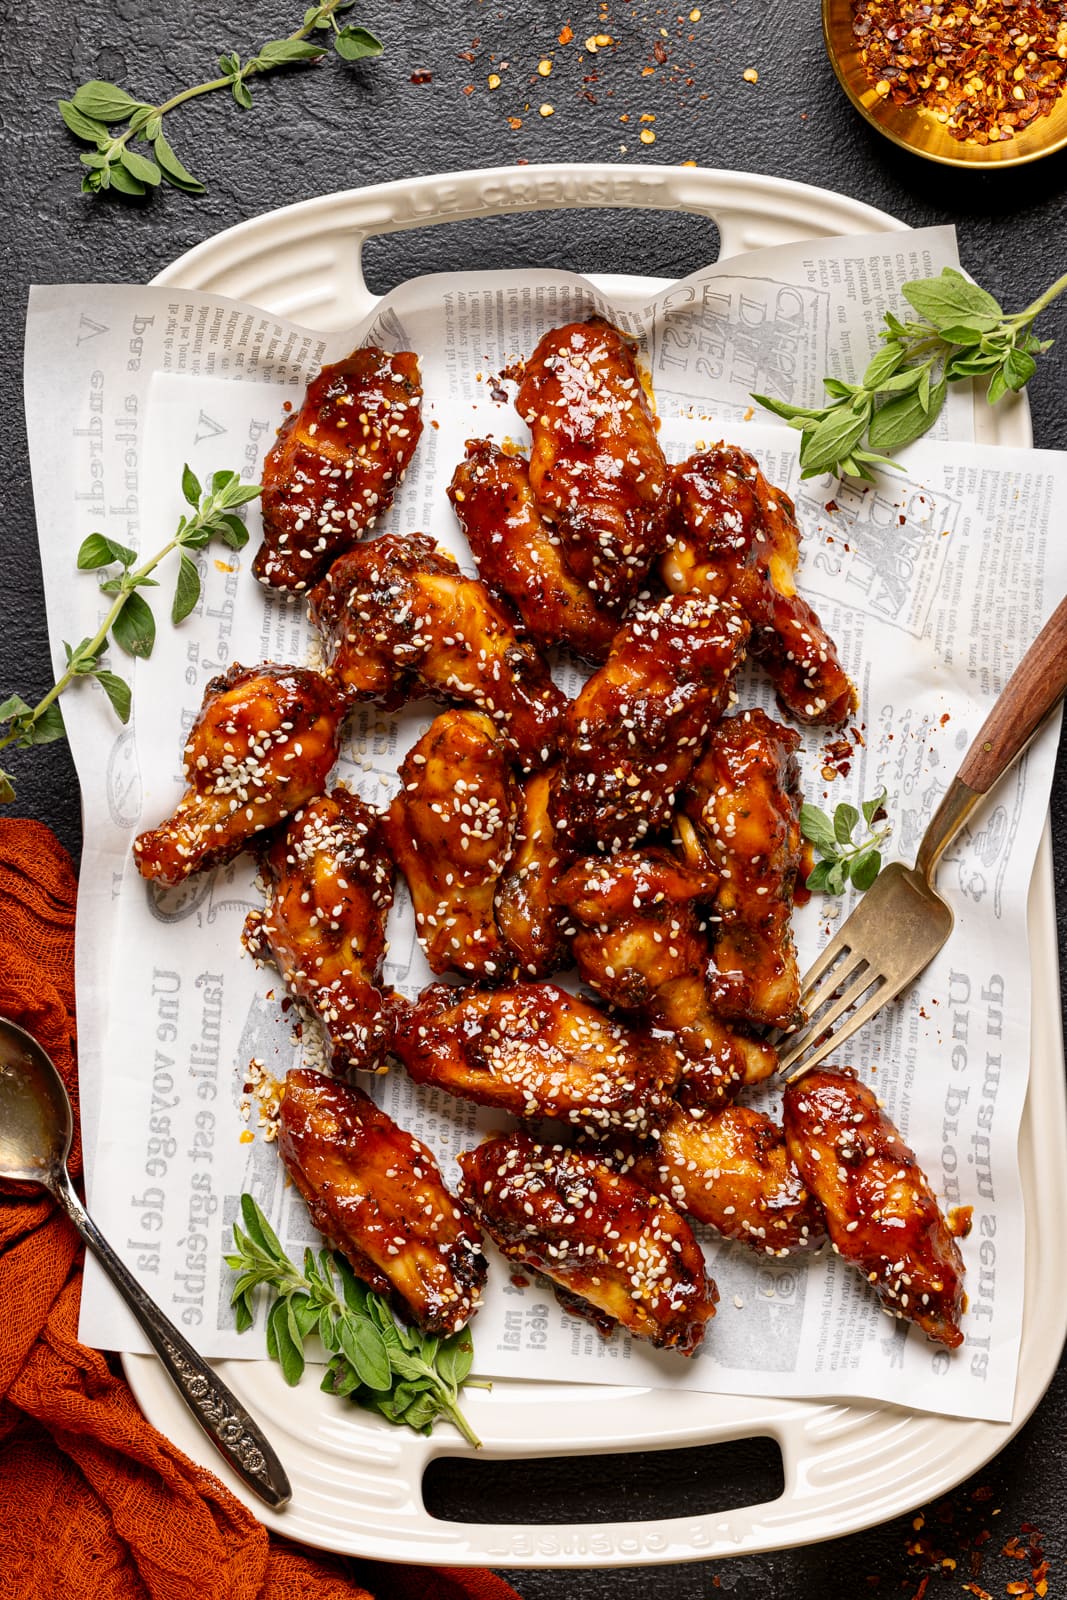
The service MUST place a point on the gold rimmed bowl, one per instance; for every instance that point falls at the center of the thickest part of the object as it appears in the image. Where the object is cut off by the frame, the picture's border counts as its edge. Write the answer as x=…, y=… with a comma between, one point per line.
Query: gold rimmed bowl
x=918, y=129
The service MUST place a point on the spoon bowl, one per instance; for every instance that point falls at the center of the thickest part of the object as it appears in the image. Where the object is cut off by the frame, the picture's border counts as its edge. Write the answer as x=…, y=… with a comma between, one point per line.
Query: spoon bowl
x=36, y=1120
x=36, y=1127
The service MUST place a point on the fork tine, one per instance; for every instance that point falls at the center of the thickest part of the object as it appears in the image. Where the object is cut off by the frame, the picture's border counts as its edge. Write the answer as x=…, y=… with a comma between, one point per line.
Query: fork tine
x=827, y=958
x=816, y=1026
x=881, y=997
x=845, y=970
x=823, y=961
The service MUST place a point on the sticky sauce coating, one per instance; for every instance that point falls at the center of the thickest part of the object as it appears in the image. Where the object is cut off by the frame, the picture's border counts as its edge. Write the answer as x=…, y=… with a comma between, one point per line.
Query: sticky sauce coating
x=329, y=889
x=537, y=1051
x=880, y=1211
x=336, y=464
x=637, y=727
x=732, y=1170
x=743, y=800
x=615, y=1253
x=400, y=620
x=261, y=747
x=597, y=472
x=734, y=535
x=377, y=1195
x=520, y=556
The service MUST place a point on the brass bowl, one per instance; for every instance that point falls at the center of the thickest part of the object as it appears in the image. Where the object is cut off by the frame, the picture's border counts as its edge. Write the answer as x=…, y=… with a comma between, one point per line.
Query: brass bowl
x=917, y=129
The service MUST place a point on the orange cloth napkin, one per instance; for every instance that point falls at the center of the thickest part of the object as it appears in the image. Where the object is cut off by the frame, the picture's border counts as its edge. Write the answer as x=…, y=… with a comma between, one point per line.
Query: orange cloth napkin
x=93, y=1501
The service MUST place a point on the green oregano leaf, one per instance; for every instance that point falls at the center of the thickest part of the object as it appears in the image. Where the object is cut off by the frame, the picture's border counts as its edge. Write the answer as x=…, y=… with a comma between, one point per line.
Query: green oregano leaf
x=80, y=125
x=104, y=102
x=356, y=44
x=140, y=167
x=187, y=590
x=134, y=629
x=118, y=692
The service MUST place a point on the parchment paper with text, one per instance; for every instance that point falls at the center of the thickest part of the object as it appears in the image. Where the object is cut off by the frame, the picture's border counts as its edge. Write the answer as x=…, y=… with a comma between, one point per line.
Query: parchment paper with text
x=933, y=584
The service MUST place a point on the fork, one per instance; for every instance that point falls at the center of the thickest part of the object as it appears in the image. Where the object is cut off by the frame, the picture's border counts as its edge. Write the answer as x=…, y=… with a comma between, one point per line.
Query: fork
x=902, y=922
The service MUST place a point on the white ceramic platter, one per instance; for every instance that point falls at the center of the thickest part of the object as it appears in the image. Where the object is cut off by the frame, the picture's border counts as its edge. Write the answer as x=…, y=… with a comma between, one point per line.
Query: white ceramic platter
x=357, y=1481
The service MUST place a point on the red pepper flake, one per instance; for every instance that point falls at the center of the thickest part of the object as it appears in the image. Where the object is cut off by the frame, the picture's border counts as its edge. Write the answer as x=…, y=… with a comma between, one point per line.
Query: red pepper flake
x=983, y=68
x=515, y=122
x=659, y=50
x=422, y=76
x=566, y=34
x=979, y=1594
x=468, y=88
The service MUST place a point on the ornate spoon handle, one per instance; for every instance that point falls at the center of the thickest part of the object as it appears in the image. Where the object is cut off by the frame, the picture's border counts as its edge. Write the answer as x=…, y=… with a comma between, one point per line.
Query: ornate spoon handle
x=220, y=1414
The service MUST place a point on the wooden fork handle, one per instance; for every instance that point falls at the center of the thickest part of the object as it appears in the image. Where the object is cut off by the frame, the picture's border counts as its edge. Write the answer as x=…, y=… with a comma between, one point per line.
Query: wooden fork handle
x=1033, y=690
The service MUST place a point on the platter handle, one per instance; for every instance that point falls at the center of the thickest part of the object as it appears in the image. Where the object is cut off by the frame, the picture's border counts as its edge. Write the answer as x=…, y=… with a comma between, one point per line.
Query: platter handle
x=307, y=260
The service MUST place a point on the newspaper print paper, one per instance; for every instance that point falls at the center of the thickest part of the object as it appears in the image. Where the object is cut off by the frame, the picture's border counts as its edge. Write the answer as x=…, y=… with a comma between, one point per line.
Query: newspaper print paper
x=933, y=585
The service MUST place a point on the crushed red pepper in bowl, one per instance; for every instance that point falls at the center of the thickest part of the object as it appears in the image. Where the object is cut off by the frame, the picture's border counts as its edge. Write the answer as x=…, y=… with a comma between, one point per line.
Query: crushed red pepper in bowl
x=984, y=68
x=967, y=82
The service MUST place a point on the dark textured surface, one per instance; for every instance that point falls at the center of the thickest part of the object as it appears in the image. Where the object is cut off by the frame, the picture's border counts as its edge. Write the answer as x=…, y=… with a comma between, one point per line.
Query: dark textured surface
x=332, y=127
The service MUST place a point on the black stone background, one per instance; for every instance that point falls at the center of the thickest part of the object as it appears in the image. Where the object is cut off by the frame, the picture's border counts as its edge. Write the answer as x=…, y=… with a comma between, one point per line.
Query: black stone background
x=333, y=127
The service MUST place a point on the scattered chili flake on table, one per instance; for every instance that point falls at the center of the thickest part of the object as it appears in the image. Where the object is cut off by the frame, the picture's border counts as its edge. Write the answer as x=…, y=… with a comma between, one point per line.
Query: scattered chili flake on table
x=984, y=68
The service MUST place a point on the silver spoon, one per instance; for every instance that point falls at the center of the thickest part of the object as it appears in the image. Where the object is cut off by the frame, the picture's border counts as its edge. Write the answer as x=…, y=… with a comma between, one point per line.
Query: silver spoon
x=36, y=1124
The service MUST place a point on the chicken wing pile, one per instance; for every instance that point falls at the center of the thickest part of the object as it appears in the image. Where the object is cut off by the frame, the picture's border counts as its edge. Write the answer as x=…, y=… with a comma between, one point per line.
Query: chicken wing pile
x=646, y=832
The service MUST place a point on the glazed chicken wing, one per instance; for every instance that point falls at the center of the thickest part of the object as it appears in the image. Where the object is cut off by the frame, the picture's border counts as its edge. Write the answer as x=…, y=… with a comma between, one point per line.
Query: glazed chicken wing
x=400, y=620
x=636, y=729
x=261, y=747
x=735, y=536
x=337, y=463
x=616, y=1254
x=638, y=940
x=329, y=889
x=732, y=1170
x=450, y=830
x=743, y=799
x=521, y=557
x=596, y=468
x=537, y=1051
x=377, y=1196
x=526, y=910
x=881, y=1213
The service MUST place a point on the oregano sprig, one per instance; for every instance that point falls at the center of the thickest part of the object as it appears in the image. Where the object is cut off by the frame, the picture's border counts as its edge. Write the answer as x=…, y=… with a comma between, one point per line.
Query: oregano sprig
x=129, y=620
x=961, y=332
x=843, y=856
x=406, y=1376
x=97, y=108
